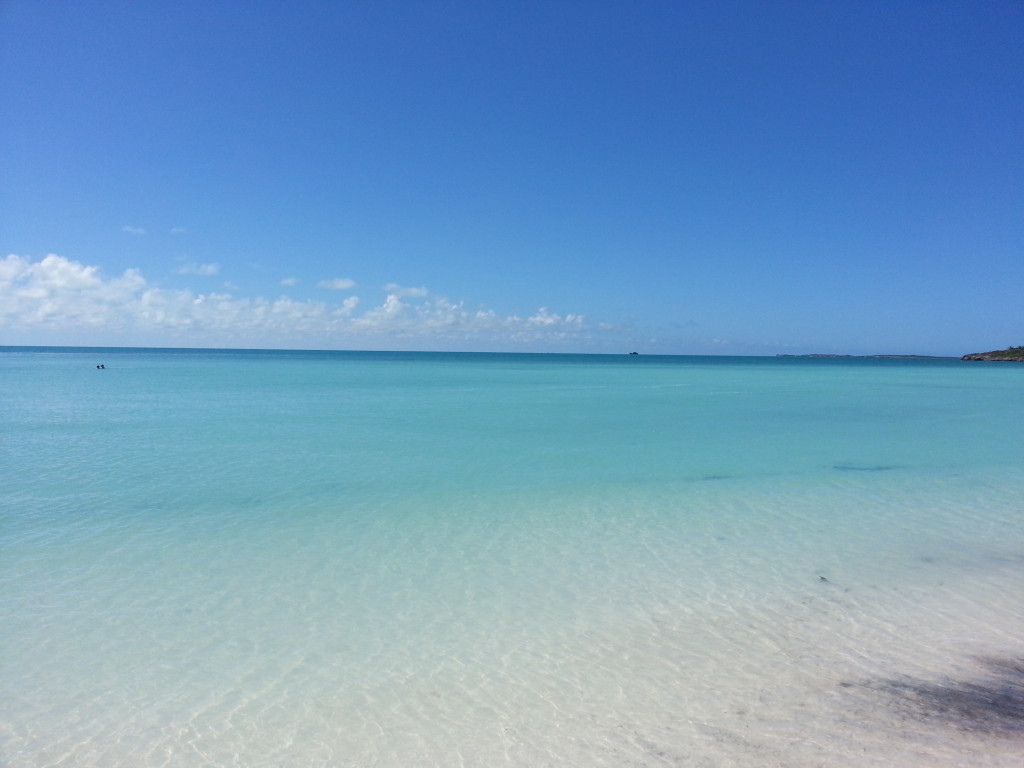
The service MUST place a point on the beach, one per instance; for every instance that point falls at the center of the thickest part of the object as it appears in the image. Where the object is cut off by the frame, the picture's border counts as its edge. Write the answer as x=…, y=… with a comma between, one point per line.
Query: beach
x=372, y=559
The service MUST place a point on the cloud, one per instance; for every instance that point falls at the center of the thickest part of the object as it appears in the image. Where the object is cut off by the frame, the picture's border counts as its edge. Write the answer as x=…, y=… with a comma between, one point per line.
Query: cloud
x=133, y=230
x=58, y=292
x=403, y=291
x=289, y=282
x=439, y=316
x=60, y=296
x=348, y=306
x=337, y=284
x=178, y=230
x=205, y=270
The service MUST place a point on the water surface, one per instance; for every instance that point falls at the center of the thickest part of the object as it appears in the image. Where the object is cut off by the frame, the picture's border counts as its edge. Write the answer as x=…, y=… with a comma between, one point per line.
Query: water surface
x=239, y=558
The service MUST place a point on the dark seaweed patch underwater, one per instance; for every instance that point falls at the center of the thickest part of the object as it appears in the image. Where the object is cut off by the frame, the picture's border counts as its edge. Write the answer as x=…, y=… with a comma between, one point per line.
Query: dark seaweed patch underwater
x=992, y=703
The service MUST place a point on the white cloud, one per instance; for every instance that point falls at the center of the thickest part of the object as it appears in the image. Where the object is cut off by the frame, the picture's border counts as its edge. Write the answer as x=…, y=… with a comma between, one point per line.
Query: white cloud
x=206, y=270
x=439, y=316
x=289, y=282
x=348, y=306
x=178, y=230
x=337, y=284
x=133, y=230
x=405, y=292
x=58, y=292
x=65, y=298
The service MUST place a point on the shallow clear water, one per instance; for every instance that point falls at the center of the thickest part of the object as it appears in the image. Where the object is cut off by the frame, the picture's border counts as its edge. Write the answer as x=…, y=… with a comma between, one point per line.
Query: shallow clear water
x=354, y=559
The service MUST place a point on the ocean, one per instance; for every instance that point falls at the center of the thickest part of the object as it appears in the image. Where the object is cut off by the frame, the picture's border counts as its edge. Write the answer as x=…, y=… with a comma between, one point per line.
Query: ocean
x=341, y=559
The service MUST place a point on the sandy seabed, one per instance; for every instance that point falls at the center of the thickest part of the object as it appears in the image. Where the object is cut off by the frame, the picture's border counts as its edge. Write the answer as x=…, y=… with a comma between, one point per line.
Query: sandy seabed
x=871, y=675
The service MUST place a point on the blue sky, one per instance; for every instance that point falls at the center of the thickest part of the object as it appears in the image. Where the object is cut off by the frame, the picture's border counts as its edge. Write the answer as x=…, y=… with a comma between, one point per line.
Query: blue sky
x=727, y=177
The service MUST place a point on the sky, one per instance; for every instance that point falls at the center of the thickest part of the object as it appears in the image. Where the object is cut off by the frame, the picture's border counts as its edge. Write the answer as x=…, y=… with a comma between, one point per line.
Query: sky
x=730, y=177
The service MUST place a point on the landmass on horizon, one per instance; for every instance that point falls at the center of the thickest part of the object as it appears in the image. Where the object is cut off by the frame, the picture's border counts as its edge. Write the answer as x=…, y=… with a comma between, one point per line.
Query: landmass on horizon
x=1011, y=354
x=875, y=357
x=1008, y=355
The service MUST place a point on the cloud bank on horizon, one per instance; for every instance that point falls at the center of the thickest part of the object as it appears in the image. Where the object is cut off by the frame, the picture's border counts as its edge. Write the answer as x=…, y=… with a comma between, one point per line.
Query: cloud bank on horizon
x=62, y=301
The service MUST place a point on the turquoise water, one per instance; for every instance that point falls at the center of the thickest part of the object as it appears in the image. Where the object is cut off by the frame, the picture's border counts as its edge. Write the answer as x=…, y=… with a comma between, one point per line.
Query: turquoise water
x=226, y=558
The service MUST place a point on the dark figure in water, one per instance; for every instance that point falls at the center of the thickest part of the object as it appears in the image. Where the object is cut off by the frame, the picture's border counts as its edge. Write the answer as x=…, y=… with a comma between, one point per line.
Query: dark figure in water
x=101, y=367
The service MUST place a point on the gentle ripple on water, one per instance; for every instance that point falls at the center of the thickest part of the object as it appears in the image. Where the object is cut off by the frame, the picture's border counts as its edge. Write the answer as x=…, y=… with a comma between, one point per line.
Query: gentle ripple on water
x=222, y=573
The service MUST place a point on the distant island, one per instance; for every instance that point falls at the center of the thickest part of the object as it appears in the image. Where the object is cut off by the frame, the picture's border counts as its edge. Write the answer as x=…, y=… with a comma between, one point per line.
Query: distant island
x=877, y=357
x=1010, y=355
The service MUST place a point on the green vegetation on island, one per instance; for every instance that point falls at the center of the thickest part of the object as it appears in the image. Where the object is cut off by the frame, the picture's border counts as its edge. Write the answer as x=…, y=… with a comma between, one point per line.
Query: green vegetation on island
x=1011, y=354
